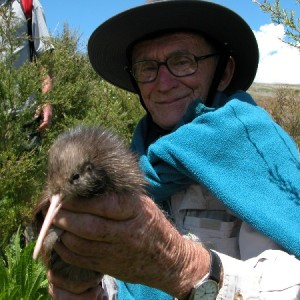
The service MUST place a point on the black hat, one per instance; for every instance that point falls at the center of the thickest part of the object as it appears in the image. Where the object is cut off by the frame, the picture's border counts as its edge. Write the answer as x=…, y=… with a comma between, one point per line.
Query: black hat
x=109, y=43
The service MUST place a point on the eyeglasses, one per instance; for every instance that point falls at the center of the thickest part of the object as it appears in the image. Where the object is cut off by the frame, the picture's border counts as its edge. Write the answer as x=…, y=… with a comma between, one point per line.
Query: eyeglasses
x=179, y=65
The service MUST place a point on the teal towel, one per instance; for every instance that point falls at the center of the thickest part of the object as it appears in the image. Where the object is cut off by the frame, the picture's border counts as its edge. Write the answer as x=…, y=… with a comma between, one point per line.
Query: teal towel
x=241, y=155
x=128, y=291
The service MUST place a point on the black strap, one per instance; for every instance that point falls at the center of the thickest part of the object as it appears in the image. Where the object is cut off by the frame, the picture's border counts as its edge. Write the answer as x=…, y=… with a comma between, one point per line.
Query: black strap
x=219, y=72
x=28, y=16
x=215, y=266
x=30, y=40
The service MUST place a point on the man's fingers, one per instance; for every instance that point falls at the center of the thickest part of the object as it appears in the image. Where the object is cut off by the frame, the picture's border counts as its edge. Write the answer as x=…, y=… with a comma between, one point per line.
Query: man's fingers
x=91, y=227
x=110, y=206
x=84, y=261
x=79, y=246
x=59, y=288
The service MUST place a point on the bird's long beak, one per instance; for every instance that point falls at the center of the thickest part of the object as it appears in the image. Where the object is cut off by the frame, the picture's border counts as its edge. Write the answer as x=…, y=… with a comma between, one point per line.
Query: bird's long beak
x=55, y=205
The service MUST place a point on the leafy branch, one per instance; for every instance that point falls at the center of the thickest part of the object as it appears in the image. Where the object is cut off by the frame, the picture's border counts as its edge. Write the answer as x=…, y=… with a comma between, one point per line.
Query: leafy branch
x=282, y=16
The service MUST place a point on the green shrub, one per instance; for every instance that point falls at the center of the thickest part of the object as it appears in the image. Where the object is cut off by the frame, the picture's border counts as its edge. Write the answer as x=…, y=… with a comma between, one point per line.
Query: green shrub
x=21, y=278
x=79, y=96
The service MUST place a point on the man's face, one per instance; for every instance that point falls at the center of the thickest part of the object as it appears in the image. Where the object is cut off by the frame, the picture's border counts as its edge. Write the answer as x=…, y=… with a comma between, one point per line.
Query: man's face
x=168, y=96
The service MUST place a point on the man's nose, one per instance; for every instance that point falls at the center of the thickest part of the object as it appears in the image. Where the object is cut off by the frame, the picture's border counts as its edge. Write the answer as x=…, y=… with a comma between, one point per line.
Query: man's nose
x=165, y=78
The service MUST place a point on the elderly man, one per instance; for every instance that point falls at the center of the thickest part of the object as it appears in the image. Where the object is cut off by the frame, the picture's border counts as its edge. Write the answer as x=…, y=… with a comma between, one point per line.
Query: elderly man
x=225, y=175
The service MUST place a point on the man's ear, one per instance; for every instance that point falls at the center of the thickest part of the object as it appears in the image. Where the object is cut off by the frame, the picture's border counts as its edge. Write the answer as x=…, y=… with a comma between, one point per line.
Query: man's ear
x=228, y=74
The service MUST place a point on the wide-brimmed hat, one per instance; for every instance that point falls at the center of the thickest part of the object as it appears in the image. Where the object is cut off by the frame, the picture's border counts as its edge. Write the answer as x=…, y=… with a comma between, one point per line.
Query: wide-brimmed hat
x=109, y=43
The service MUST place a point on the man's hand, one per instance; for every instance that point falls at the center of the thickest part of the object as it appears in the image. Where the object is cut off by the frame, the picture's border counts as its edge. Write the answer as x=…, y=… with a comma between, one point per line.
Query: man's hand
x=45, y=111
x=129, y=239
x=46, y=114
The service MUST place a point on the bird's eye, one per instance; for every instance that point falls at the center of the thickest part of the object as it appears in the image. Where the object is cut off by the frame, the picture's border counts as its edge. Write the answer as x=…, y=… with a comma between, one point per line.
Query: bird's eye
x=75, y=177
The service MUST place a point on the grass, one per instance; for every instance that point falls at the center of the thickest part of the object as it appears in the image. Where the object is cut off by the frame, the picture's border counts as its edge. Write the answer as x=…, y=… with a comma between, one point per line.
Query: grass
x=282, y=101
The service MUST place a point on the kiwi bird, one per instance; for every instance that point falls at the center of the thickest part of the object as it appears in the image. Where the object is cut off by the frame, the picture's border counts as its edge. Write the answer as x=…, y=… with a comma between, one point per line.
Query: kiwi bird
x=84, y=162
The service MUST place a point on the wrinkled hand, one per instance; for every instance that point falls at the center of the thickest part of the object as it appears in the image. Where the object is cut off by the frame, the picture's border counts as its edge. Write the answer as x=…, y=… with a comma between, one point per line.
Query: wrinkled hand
x=129, y=239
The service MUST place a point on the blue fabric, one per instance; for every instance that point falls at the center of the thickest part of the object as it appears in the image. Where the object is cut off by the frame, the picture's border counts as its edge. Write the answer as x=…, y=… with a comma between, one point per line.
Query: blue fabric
x=128, y=291
x=241, y=155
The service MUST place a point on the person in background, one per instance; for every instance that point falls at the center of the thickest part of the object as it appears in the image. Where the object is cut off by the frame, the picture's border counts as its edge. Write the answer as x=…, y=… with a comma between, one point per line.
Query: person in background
x=221, y=218
x=26, y=51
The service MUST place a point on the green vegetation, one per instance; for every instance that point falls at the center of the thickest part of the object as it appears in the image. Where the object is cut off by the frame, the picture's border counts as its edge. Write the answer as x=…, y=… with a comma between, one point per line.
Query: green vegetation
x=21, y=278
x=79, y=96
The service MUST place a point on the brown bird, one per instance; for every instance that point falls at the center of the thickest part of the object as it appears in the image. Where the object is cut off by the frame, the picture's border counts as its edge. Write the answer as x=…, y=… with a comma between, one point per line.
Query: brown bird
x=84, y=162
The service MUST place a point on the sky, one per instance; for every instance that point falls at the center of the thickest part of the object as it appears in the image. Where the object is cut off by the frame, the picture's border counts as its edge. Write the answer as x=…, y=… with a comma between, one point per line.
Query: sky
x=279, y=62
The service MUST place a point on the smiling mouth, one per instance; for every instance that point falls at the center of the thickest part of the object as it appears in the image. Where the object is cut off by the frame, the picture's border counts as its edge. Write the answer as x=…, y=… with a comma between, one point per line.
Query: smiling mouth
x=171, y=101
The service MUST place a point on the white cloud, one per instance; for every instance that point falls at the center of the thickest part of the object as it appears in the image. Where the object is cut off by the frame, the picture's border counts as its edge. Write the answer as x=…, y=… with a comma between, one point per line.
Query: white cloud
x=279, y=62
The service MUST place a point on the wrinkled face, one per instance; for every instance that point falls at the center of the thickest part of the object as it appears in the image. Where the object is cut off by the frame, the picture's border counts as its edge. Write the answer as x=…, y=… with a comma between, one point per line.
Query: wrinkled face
x=168, y=96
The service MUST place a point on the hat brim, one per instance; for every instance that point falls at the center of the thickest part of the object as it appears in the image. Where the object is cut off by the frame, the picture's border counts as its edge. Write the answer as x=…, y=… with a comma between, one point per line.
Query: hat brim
x=107, y=46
